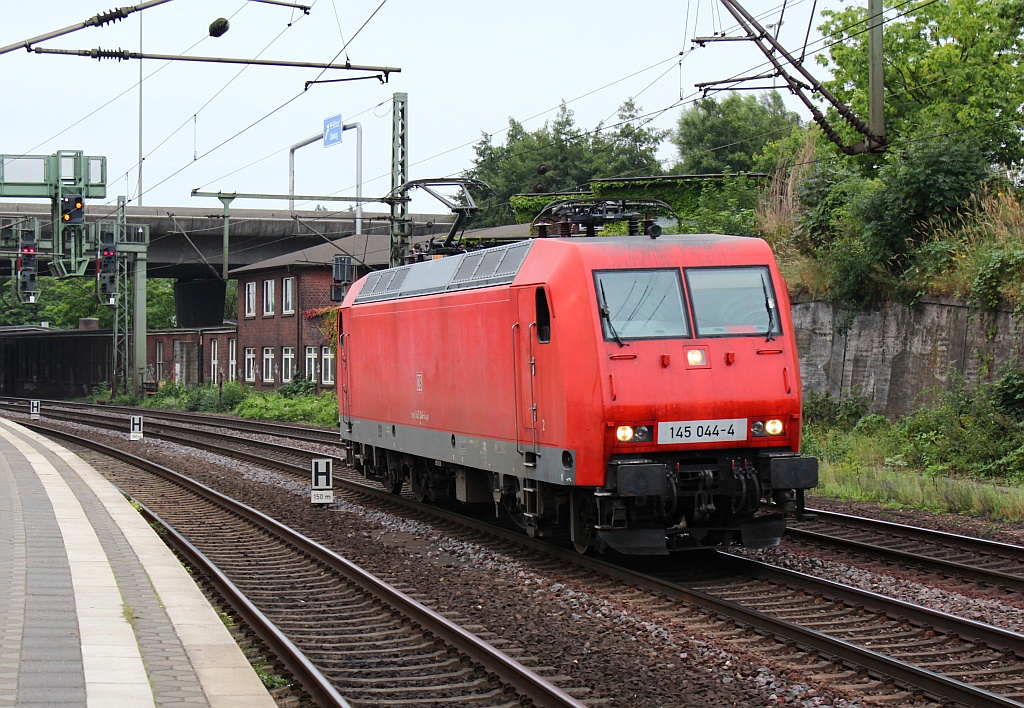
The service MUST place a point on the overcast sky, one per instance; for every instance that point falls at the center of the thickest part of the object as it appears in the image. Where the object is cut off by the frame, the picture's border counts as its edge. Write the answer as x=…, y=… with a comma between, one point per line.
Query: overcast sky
x=466, y=65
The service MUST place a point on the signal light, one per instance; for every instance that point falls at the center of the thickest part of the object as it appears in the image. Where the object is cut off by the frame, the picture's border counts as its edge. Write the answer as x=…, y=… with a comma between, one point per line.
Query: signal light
x=106, y=267
x=72, y=209
x=27, y=265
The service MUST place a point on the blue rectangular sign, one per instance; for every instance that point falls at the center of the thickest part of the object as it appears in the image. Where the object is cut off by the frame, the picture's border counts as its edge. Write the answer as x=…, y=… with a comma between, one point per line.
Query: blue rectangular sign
x=332, y=131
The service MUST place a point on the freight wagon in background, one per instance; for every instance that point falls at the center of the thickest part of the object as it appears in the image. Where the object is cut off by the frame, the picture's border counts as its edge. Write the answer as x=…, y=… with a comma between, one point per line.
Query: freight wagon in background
x=629, y=393
x=40, y=362
x=43, y=362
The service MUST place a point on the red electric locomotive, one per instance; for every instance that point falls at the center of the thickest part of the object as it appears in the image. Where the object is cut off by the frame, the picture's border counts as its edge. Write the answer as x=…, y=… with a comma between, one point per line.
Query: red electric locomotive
x=639, y=394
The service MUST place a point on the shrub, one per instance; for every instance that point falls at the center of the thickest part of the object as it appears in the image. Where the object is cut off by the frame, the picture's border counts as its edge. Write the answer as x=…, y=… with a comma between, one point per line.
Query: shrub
x=299, y=386
x=925, y=183
x=965, y=433
x=233, y=393
x=827, y=196
x=316, y=410
x=829, y=412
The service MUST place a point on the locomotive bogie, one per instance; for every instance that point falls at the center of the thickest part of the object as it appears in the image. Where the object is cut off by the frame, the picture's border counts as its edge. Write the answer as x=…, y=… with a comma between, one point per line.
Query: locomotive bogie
x=630, y=394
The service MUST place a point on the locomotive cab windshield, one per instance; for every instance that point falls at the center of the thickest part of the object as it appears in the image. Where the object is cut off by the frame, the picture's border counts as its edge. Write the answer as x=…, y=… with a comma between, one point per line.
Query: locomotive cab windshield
x=641, y=304
x=649, y=303
x=729, y=302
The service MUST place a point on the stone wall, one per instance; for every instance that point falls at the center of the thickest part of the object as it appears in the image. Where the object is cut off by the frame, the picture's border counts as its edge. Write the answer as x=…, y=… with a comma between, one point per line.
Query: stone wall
x=900, y=358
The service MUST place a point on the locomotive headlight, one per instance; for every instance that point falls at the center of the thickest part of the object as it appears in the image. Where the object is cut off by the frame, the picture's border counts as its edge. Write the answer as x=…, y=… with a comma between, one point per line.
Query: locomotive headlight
x=764, y=428
x=695, y=357
x=634, y=433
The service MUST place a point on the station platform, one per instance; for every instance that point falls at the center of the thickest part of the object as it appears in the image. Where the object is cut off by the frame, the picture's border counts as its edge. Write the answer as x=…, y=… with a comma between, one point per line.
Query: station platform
x=94, y=609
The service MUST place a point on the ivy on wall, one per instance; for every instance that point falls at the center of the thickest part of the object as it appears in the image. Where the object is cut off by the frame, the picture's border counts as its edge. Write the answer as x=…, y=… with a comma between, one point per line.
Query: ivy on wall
x=325, y=319
x=694, y=198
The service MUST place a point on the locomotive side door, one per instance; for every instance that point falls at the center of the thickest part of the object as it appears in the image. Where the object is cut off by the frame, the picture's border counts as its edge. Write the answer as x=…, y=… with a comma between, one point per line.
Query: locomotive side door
x=344, y=379
x=531, y=337
x=525, y=371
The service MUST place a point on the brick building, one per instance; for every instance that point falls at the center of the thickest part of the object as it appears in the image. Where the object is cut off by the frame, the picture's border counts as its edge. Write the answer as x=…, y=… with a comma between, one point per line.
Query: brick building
x=286, y=316
x=191, y=356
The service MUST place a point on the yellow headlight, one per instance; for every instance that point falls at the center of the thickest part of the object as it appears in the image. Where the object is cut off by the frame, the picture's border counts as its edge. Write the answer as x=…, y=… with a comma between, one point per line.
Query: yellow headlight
x=773, y=427
x=624, y=433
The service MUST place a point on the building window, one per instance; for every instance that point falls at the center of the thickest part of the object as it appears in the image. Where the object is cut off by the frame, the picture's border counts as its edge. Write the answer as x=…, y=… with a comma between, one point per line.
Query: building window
x=268, y=297
x=159, y=360
x=268, y=365
x=311, y=371
x=288, y=296
x=250, y=299
x=232, y=359
x=327, y=368
x=287, y=363
x=213, y=361
x=250, y=364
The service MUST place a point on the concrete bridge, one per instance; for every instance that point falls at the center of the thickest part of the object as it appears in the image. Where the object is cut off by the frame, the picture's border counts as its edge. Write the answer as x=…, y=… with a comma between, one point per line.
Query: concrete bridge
x=186, y=243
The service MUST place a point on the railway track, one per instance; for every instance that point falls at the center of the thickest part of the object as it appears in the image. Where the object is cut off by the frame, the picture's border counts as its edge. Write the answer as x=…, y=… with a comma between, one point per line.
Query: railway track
x=376, y=645
x=974, y=560
x=885, y=647
x=880, y=639
x=289, y=431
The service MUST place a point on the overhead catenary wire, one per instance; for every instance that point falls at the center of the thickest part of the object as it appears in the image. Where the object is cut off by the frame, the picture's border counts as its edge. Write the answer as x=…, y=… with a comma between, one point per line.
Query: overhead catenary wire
x=197, y=156
x=823, y=44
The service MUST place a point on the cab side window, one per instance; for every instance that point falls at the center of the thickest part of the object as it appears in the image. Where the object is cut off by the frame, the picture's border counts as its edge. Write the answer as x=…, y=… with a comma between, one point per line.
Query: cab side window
x=543, y=317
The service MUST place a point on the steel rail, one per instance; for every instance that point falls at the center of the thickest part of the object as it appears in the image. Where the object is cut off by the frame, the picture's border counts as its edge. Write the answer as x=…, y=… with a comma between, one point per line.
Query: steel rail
x=309, y=676
x=530, y=684
x=936, y=685
x=287, y=430
x=981, y=545
x=970, y=572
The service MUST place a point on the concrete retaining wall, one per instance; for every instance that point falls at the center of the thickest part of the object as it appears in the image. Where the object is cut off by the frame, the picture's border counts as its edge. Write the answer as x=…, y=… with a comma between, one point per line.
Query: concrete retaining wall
x=900, y=358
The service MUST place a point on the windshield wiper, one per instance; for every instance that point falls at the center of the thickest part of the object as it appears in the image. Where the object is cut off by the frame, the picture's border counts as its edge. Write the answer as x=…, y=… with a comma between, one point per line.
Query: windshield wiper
x=607, y=315
x=768, y=307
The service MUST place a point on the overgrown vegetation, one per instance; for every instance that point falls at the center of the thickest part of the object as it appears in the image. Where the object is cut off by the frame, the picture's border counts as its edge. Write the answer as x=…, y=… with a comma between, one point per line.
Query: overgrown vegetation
x=317, y=410
x=963, y=455
x=296, y=402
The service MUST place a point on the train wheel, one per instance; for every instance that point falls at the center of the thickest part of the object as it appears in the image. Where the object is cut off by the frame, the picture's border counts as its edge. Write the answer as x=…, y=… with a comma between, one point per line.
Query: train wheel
x=419, y=480
x=582, y=517
x=394, y=478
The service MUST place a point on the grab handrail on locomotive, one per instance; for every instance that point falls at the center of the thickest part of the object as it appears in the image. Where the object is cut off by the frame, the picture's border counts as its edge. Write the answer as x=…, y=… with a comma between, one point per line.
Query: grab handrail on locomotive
x=635, y=393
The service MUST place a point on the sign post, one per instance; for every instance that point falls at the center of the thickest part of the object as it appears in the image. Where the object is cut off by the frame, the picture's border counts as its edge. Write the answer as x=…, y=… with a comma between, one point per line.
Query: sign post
x=332, y=130
x=322, y=482
x=33, y=410
x=136, y=428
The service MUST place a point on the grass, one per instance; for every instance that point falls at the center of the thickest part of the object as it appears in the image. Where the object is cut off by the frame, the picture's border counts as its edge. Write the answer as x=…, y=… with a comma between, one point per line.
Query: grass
x=129, y=614
x=868, y=467
x=896, y=487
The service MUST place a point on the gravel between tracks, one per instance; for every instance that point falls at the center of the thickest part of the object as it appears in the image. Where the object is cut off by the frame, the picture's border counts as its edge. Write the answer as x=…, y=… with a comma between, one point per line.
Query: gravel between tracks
x=628, y=654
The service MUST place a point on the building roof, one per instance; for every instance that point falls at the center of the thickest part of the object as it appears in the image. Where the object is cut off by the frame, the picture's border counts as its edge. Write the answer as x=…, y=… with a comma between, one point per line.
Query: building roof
x=370, y=250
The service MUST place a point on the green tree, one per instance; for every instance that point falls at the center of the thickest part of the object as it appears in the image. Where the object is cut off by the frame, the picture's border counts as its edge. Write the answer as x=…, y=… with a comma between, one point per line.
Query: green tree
x=62, y=302
x=716, y=137
x=951, y=68
x=560, y=157
x=632, y=148
x=159, y=303
x=923, y=185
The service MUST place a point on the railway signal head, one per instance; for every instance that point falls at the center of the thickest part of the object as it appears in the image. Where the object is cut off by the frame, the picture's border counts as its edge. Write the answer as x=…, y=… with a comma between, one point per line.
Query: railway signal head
x=27, y=284
x=72, y=209
x=106, y=268
x=27, y=265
